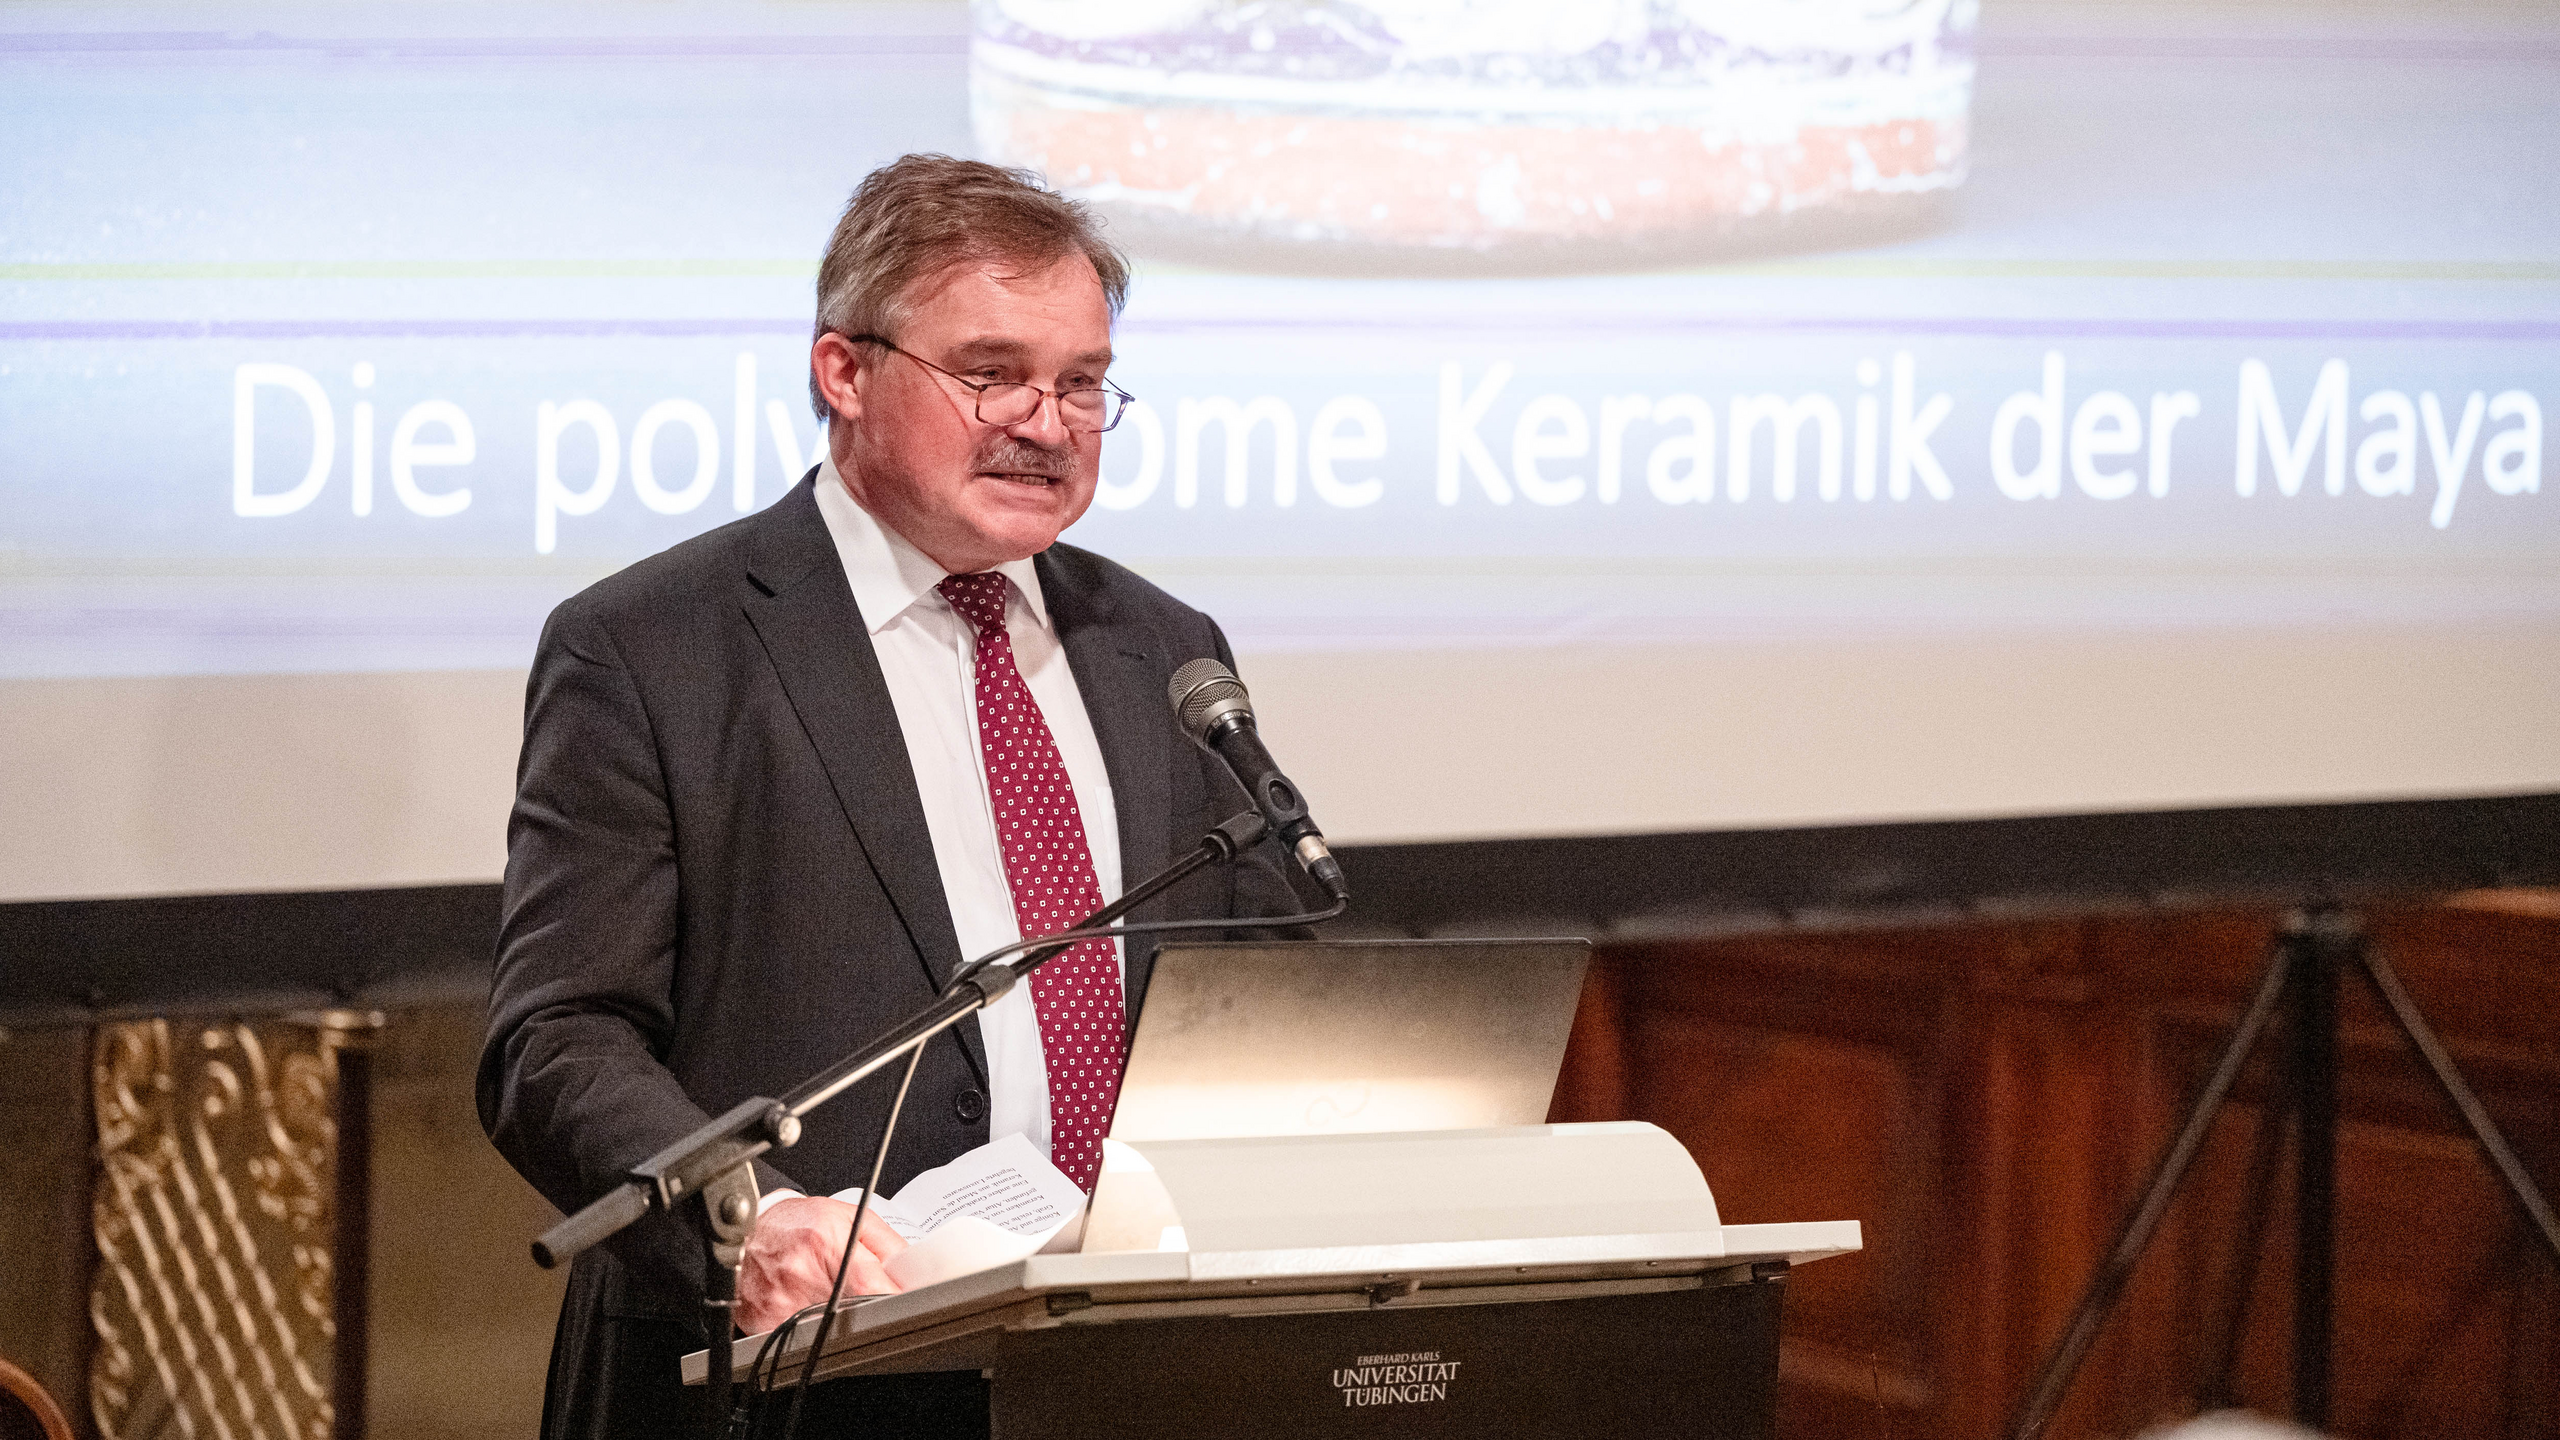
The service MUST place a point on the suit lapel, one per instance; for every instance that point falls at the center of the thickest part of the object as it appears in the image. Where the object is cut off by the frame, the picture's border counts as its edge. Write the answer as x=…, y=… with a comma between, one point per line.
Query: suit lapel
x=1117, y=671
x=804, y=613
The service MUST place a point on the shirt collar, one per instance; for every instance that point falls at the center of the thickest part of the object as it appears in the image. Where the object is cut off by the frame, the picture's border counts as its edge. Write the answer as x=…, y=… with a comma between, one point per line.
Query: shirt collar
x=889, y=574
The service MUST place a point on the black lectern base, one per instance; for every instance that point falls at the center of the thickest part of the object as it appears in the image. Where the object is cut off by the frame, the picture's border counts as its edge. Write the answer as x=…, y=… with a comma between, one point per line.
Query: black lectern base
x=1690, y=1362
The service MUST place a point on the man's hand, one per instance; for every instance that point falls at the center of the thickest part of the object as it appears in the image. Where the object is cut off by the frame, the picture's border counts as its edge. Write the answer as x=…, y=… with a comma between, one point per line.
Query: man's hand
x=791, y=1260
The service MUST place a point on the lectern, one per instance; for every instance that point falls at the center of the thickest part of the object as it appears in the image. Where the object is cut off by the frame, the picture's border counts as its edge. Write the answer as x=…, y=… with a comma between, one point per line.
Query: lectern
x=1556, y=1280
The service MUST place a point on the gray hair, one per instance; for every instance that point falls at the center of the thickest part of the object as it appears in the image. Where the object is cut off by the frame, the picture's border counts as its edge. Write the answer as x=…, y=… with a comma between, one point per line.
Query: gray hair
x=918, y=216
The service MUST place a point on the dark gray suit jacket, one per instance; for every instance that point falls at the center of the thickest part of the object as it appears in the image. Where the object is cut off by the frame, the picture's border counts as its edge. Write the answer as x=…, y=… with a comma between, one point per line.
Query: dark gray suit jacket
x=719, y=880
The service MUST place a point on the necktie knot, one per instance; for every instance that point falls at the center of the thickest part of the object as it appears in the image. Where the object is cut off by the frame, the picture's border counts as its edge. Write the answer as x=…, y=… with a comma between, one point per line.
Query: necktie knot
x=978, y=599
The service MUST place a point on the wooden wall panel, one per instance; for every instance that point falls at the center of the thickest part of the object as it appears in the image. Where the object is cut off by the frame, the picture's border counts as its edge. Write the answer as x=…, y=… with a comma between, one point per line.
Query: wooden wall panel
x=45, y=1252
x=1988, y=1097
x=462, y=1319
x=1735, y=1096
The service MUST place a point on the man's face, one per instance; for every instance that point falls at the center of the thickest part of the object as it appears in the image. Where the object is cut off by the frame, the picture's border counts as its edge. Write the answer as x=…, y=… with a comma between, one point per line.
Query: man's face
x=912, y=451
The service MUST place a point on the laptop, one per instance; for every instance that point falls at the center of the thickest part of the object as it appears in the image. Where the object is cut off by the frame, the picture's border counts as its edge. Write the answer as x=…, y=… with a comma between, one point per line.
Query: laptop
x=1349, y=1037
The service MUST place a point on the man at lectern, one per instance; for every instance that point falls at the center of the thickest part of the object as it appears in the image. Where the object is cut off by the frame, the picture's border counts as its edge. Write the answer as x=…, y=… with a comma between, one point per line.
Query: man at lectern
x=779, y=781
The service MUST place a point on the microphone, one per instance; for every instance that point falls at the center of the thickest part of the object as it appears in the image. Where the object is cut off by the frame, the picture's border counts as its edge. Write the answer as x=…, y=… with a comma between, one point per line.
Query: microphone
x=1214, y=710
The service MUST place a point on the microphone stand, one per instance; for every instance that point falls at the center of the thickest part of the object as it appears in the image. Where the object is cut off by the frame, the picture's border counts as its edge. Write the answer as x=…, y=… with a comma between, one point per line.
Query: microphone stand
x=709, y=1174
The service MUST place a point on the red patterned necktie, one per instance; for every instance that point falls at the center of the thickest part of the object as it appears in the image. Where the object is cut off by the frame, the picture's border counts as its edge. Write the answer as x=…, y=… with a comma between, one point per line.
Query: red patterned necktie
x=1050, y=869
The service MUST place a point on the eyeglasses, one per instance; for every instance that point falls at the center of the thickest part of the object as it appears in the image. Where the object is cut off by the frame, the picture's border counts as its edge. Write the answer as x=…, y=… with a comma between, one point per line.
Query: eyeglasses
x=1004, y=402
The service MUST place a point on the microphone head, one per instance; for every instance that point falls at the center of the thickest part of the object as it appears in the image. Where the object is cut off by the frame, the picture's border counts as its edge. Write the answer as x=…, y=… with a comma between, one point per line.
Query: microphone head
x=1205, y=692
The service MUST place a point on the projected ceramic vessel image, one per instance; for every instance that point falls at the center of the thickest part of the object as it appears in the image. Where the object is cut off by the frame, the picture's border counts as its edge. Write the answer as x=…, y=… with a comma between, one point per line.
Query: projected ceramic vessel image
x=1492, y=134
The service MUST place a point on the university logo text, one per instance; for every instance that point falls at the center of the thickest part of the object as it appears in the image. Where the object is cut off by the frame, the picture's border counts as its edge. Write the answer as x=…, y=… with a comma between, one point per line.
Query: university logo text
x=1412, y=1379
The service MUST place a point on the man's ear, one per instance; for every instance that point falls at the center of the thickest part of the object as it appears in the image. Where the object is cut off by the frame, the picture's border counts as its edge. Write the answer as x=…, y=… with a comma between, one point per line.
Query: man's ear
x=837, y=365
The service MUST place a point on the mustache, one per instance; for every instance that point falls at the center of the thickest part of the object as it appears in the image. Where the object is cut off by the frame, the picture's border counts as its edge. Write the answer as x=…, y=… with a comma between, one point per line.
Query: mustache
x=1016, y=455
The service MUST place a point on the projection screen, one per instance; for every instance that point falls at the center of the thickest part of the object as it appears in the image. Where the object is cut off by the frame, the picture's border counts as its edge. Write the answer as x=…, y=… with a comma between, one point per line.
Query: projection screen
x=1649, y=416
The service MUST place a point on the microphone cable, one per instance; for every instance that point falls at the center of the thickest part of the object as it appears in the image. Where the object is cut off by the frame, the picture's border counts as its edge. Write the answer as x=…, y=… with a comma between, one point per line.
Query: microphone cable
x=853, y=1237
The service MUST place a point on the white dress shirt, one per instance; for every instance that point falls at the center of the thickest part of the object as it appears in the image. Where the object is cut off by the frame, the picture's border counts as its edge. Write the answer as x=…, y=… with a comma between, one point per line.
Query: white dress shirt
x=929, y=655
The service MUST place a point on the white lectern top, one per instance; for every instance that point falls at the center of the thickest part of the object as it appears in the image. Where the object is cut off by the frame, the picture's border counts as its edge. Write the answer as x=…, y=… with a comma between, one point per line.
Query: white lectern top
x=1304, y=1223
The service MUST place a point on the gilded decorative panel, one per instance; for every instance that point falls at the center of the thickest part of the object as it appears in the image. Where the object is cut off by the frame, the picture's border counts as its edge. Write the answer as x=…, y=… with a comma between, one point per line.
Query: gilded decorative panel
x=214, y=1206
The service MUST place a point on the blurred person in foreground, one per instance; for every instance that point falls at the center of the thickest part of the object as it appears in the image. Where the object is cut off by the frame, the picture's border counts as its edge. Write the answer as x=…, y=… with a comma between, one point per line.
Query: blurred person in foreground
x=780, y=781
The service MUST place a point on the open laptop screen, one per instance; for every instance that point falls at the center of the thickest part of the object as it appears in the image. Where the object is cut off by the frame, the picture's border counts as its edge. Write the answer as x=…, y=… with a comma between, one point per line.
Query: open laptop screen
x=1346, y=1037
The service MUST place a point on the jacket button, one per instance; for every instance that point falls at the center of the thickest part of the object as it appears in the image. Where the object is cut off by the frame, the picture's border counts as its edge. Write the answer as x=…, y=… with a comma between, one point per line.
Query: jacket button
x=970, y=1106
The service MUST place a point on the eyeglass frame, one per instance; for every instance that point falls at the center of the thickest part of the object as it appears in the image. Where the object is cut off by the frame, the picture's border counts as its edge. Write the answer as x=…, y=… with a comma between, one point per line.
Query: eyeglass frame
x=979, y=388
